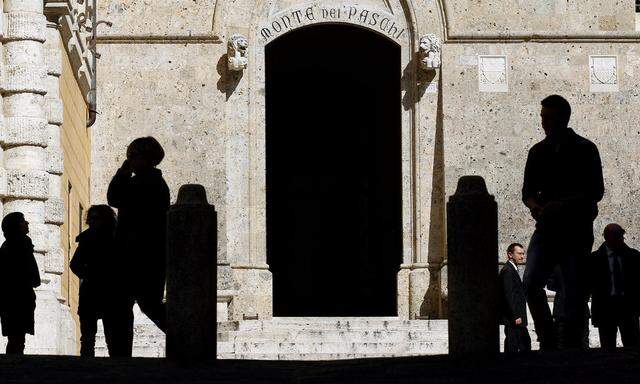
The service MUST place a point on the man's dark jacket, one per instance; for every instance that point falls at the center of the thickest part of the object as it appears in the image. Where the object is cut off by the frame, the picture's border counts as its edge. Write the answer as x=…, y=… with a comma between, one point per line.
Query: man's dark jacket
x=513, y=304
x=95, y=262
x=565, y=167
x=142, y=201
x=600, y=280
x=19, y=275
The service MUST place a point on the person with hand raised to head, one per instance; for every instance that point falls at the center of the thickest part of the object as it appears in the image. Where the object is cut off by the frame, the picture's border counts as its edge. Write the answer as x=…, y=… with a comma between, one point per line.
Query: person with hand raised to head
x=142, y=198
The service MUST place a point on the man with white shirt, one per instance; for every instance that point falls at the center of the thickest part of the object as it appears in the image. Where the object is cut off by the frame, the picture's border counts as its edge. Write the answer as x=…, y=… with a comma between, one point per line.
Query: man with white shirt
x=615, y=290
x=513, y=308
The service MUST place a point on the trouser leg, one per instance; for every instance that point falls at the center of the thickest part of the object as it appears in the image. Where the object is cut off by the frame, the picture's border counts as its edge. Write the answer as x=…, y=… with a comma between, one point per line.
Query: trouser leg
x=524, y=340
x=574, y=249
x=150, y=300
x=630, y=331
x=118, y=329
x=539, y=267
x=608, y=332
x=15, y=344
x=510, y=339
x=88, y=330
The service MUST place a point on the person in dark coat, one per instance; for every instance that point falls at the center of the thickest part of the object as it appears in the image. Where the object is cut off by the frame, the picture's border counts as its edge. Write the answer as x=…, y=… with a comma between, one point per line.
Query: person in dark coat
x=562, y=186
x=20, y=276
x=94, y=262
x=142, y=197
x=615, y=290
x=513, y=312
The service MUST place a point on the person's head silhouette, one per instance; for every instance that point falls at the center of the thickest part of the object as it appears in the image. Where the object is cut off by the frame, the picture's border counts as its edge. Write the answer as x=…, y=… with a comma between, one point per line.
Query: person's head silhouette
x=14, y=225
x=555, y=114
x=144, y=153
x=614, y=236
x=101, y=217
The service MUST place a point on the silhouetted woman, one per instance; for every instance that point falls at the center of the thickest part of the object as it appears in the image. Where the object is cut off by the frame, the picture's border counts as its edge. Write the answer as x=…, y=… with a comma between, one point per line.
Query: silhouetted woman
x=19, y=276
x=142, y=198
x=95, y=263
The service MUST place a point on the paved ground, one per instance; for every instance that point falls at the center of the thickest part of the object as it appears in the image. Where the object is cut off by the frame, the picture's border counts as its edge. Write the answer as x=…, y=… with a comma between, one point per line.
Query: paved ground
x=560, y=367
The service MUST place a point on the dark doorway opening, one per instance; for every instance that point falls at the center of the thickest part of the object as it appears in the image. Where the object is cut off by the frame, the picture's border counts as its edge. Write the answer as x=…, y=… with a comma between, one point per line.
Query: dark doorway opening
x=333, y=141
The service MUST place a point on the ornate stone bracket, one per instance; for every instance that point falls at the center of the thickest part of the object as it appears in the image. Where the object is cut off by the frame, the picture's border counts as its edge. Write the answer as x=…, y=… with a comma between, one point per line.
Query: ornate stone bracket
x=429, y=52
x=237, y=53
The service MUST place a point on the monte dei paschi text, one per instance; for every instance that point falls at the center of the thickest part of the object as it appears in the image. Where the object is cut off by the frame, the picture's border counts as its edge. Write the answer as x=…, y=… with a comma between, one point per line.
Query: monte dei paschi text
x=302, y=16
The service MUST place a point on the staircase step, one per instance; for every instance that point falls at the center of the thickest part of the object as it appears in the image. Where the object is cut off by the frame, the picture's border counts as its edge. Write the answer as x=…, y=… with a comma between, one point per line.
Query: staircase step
x=290, y=324
x=356, y=336
x=396, y=349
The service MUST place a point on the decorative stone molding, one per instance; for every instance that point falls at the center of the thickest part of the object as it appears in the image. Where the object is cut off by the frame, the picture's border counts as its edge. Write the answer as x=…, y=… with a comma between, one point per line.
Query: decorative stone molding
x=429, y=52
x=237, y=47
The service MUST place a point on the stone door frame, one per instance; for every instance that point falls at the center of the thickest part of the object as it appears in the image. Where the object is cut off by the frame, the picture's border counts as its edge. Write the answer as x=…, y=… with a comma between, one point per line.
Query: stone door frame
x=246, y=112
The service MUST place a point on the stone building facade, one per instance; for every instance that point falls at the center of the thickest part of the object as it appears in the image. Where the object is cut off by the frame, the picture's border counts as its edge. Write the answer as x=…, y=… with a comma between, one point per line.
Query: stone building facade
x=467, y=78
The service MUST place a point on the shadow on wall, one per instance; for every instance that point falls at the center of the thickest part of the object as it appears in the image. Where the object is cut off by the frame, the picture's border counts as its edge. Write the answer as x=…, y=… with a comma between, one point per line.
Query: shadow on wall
x=434, y=306
x=229, y=80
x=415, y=83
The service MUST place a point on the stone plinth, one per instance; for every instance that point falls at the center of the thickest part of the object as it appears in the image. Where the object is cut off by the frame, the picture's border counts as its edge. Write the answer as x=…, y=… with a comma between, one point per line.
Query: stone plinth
x=191, y=277
x=472, y=237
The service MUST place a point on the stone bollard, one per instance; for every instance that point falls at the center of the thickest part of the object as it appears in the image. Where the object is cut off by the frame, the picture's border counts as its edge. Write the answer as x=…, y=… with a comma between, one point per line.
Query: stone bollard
x=191, y=277
x=472, y=244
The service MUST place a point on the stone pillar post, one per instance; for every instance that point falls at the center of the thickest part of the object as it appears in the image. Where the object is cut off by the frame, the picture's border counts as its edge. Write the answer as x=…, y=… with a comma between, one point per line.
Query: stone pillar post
x=54, y=164
x=472, y=237
x=191, y=277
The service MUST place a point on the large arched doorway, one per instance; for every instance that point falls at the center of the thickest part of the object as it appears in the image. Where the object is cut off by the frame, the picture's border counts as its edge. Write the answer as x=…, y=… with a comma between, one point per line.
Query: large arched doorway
x=333, y=169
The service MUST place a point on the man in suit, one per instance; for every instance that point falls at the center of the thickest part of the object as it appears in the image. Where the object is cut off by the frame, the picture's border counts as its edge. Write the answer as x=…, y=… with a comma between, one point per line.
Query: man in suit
x=513, y=311
x=615, y=290
x=562, y=187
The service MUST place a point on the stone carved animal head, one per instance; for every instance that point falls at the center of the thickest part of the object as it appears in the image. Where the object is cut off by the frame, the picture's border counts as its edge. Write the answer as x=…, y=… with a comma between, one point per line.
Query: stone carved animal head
x=237, y=47
x=429, y=53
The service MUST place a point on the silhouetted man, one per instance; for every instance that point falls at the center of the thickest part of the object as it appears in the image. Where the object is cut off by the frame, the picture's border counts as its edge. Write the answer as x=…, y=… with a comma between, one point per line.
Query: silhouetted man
x=141, y=195
x=562, y=187
x=513, y=310
x=615, y=290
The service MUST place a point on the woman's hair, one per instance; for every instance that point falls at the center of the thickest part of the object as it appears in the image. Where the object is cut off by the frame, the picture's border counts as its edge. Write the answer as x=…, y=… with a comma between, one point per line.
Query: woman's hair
x=105, y=212
x=149, y=148
x=11, y=224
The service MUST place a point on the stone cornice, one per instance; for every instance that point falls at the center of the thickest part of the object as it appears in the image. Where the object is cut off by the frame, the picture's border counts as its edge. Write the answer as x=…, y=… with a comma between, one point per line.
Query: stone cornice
x=160, y=39
x=74, y=38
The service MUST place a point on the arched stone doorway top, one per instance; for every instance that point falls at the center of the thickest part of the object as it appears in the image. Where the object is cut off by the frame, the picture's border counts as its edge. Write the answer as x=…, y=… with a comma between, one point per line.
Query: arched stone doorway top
x=379, y=18
x=248, y=16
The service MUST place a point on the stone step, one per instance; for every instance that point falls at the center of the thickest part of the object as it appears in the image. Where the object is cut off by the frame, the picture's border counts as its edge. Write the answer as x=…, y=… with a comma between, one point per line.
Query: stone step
x=356, y=336
x=305, y=356
x=290, y=324
x=396, y=349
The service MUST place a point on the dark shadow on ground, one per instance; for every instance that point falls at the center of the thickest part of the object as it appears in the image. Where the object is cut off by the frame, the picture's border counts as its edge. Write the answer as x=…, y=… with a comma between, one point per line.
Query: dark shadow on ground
x=593, y=366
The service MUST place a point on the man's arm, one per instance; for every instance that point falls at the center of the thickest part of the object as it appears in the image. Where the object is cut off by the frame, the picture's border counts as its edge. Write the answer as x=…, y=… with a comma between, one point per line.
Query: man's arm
x=119, y=185
x=77, y=264
x=530, y=186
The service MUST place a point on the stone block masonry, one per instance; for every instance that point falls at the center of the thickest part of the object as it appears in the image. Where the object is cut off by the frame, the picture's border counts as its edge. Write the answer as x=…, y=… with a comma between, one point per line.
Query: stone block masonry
x=32, y=156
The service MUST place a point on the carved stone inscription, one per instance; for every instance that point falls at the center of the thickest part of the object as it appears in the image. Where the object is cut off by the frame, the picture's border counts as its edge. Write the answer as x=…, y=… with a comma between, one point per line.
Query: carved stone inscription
x=292, y=18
